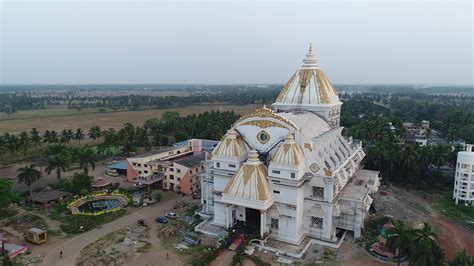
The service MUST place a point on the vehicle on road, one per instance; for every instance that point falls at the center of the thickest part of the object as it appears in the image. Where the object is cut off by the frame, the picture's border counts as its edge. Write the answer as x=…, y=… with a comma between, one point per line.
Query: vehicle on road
x=161, y=220
x=196, y=195
x=171, y=215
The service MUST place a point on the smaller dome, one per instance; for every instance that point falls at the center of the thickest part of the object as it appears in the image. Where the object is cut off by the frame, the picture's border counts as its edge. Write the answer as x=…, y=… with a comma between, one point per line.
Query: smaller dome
x=231, y=145
x=250, y=182
x=289, y=153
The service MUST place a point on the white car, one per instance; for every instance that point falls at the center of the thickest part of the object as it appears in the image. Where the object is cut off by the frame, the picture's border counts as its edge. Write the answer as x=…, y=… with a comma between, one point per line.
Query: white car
x=112, y=172
x=171, y=215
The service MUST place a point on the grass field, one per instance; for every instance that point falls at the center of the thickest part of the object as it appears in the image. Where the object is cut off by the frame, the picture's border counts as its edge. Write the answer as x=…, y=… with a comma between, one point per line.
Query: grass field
x=59, y=117
x=464, y=215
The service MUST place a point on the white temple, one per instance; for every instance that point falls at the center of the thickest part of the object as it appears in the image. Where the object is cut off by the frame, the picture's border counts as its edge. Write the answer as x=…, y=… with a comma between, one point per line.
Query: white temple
x=289, y=172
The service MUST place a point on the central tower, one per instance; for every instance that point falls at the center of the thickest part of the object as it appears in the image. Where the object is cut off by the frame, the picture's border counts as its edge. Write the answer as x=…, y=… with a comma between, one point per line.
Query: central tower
x=309, y=89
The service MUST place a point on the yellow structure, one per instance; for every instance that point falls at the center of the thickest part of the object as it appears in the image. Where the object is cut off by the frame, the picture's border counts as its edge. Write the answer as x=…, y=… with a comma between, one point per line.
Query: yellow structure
x=36, y=235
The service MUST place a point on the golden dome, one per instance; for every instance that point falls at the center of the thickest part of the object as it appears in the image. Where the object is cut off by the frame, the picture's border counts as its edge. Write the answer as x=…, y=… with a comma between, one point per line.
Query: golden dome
x=309, y=85
x=289, y=152
x=231, y=145
x=250, y=181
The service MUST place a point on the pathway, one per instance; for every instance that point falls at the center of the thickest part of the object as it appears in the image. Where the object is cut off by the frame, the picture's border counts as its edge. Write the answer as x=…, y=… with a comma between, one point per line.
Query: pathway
x=72, y=247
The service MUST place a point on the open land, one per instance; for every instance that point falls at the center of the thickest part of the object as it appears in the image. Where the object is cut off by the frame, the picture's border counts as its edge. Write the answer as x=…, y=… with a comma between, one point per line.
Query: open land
x=60, y=117
x=415, y=207
x=155, y=244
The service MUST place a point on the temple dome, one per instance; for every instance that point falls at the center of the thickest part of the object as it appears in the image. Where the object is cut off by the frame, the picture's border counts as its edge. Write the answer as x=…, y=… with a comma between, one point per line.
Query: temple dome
x=289, y=153
x=249, y=185
x=308, y=86
x=232, y=145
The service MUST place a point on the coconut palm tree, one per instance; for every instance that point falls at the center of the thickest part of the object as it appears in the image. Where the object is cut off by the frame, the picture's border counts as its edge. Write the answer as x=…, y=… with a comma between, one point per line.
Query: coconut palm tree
x=86, y=158
x=425, y=251
x=59, y=163
x=400, y=239
x=94, y=132
x=28, y=175
x=79, y=135
x=25, y=141
x=462, y=259
x=35, y=138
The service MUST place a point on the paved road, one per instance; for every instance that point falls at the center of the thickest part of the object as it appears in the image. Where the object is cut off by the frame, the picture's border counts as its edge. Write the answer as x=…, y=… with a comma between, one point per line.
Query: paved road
x=72, y=247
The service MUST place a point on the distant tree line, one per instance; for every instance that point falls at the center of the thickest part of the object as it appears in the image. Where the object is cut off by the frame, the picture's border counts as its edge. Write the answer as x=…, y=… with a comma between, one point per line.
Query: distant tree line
x=239, y=95
x=155, y=132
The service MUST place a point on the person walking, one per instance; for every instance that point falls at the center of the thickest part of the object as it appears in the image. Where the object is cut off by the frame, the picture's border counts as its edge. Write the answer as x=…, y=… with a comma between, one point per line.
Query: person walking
x=61, y=254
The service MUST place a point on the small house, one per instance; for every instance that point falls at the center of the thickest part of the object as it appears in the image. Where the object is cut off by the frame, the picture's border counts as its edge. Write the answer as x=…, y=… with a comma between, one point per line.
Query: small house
x=36, y=235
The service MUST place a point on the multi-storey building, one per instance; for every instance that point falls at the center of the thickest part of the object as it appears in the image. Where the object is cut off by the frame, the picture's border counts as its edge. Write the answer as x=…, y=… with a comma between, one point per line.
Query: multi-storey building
x=168, y=167
x=182, y=175
x=289, y=173
x=464, y=176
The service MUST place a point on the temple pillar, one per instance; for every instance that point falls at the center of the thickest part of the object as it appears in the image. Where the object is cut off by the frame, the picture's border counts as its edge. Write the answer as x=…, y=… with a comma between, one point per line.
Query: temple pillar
x=263, y=223
x=229, y=216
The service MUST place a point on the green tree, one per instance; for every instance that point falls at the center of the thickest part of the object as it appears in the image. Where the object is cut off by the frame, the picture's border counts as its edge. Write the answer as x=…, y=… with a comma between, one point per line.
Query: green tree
x=94, y=132
x=79, y=135
x=7, y=195
x=86, y=157
x=66, y=136
x=462, y=259
x=59, y=163
x=25, y=141
x=35, y=138
x=81, y=182
x=28, y=175
x=399, y=239
x=425, y=251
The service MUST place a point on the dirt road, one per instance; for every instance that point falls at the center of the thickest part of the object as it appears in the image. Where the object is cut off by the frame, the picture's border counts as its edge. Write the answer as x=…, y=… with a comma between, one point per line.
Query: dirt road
x=72, y=247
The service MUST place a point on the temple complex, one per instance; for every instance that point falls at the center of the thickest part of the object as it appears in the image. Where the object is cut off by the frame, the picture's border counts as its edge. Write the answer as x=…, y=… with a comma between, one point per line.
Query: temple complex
x=287, y=172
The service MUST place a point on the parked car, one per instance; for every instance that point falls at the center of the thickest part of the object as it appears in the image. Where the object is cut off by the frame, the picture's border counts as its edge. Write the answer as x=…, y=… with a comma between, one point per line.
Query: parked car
x=161, y=220
x=112, y=172
x=196, y=195
x=171, y=215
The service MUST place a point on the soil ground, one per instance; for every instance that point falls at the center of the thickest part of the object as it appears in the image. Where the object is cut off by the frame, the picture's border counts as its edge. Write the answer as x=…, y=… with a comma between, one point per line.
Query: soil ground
x=59, y=119
x=414, y=207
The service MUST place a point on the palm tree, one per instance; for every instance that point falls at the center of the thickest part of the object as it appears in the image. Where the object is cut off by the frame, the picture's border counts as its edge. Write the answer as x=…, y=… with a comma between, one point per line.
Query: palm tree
x=399, y=239
x=409, y=161
x=59, y=163
x=28, y=175
x=94, y=132
x=425, y=250
x=86, y=158
x=462, y=259
x=25, y=141
x=53, y=137
x=35, y=138
x=79, y=135
x=66, y=136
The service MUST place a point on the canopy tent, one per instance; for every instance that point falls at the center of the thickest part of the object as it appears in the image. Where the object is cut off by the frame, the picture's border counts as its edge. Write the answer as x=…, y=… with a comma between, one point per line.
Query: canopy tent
x=119, y=166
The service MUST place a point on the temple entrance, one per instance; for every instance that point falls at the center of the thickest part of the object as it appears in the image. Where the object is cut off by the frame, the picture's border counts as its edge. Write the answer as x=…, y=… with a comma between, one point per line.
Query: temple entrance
x=252, y=219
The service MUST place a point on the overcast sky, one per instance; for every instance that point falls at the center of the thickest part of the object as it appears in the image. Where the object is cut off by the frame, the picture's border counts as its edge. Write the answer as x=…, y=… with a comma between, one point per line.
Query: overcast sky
x=98, y=42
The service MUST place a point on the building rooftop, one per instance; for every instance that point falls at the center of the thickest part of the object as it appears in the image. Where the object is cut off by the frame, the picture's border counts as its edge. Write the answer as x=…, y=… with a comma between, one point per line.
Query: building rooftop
x=191, y=161
x=151, y=153
x=360, y=185
x=49, y=195
x=36, y=230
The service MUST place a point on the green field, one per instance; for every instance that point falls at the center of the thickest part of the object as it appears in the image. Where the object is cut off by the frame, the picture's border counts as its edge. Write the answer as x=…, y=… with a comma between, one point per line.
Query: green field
x=464, y=215
x=59, y=117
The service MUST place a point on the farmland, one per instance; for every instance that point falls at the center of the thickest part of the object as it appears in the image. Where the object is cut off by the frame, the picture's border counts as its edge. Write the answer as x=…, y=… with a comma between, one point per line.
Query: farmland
x=60, y=117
